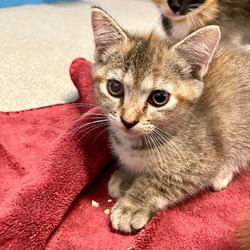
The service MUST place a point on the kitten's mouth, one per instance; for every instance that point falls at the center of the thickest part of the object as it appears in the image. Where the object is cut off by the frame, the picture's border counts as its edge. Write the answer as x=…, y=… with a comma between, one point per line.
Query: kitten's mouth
x=130, y=132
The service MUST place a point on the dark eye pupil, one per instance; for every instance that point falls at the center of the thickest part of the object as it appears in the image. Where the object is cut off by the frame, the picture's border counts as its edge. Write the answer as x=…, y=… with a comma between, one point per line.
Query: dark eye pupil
x=158, y=98
x=115, y=88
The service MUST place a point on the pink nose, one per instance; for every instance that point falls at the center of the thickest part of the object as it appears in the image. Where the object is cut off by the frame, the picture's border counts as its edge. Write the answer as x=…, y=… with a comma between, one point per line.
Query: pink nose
x=128, y=124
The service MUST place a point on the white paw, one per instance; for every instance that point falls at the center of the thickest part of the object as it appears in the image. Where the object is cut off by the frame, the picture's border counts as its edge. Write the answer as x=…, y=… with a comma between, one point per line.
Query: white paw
x=128, y=218
x=221, y=181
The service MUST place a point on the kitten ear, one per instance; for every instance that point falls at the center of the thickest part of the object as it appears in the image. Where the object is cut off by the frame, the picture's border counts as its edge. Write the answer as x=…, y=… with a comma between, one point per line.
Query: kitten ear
x=106, y=31
x=198, y=49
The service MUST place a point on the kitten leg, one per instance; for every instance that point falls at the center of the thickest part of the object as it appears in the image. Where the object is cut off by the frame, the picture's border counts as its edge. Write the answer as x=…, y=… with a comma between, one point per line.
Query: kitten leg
x=137, y=207
x=119, y=182
x=147, y=195
x=223, y=178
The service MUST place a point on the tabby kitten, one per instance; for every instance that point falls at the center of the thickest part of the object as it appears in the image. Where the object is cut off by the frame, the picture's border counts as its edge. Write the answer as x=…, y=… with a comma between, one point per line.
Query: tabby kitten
x=181, y=17
x=179, y=116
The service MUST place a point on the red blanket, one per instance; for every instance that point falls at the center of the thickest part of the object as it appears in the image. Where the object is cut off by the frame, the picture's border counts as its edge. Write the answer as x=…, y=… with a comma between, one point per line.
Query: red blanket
x=50, y=174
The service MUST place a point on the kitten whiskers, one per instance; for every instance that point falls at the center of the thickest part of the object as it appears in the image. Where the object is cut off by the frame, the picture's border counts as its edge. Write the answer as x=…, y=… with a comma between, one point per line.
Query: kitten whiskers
x=173, y=147
x=181, y=143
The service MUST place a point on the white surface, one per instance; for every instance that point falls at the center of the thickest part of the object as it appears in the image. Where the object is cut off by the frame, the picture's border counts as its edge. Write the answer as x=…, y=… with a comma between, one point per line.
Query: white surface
x=38, y=44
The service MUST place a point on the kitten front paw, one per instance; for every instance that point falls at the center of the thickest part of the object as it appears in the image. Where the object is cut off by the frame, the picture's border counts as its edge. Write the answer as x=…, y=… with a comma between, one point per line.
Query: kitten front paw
x=128, y=217
x=119, y=182
x=222, y=180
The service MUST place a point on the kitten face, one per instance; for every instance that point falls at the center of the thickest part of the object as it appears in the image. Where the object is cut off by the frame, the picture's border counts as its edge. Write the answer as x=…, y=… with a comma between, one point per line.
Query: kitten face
x=152, y=94
x=141, y=82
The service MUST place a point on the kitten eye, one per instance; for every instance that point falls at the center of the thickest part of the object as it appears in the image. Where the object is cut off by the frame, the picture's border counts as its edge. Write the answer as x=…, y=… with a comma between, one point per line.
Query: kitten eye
x=158, y=98
x=115, y=88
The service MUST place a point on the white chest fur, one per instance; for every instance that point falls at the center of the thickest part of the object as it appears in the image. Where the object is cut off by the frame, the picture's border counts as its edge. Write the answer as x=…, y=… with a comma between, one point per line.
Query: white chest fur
x=134, y=157
x=135, y=160
x=180, y=30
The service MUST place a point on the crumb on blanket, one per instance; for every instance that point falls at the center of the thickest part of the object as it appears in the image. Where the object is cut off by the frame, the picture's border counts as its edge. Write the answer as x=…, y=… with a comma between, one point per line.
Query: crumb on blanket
x=95, y=204
x=107, y=211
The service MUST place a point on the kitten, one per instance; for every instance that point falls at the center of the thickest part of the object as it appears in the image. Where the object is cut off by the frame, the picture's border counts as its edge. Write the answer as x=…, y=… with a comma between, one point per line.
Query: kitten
x=179, y=116
x=181, y=17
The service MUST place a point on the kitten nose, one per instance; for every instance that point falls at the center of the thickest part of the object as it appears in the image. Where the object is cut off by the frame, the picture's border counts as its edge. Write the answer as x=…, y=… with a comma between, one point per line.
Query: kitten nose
x=129, y=124
x=174, y=5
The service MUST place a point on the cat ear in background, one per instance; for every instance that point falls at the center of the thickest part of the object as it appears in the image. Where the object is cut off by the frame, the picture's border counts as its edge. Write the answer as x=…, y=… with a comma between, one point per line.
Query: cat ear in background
x=106, y=31
x=198, y=49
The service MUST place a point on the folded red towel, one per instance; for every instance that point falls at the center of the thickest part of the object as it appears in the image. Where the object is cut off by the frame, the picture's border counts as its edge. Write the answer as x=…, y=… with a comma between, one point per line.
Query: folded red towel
x=44, y=166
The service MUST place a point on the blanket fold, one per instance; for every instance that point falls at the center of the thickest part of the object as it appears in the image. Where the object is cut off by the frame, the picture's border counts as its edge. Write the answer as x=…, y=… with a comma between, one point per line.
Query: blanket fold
x=54, y=163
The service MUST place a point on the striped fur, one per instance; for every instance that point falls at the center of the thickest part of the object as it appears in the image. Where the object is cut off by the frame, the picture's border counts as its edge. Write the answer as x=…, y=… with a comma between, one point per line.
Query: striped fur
x=199, y=139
